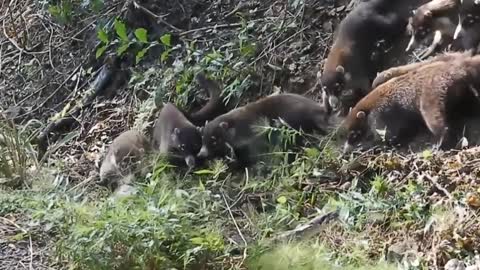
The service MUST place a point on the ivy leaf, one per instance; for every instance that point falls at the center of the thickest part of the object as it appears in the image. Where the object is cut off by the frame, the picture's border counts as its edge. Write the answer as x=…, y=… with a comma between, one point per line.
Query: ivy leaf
x=140, y=55
x=121, y=30
x=122, y=49
x=102, y=36
x=166, y=40
x=141, y=34
x=100, y=51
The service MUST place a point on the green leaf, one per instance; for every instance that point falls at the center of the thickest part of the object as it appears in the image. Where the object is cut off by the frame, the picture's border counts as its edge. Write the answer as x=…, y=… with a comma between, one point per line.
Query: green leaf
x=427, y=154
x=141, y=34
x=100, y=51
x=197, y=240
x=121, y=30
x=122, y=49
x=102, y=36
x=282, y=200
x=201, y=172
x=166, y=40
x=140, y=55
x=165, y=54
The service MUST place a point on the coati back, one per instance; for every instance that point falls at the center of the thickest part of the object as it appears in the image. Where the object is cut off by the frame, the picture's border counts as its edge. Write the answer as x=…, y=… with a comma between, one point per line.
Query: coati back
x=125, y=149
x=348, y=64
x=235, y=129
x=434, y=95
x=176, y=134
x=390, y=73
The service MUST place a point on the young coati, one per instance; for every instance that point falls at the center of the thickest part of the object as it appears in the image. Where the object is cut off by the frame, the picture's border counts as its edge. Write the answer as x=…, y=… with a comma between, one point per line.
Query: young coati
x=400, y=70
x=235, y=129
x=435, y=95
x=176, y=134
x=126, y=149
x=349, y=64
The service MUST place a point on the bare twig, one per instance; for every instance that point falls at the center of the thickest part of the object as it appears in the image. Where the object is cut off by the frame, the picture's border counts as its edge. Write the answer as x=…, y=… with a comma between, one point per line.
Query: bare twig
x=234, y=221
x=159, y=18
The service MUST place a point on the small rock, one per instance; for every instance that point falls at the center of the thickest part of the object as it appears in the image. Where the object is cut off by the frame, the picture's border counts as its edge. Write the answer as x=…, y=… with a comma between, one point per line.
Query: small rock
x=455, y=264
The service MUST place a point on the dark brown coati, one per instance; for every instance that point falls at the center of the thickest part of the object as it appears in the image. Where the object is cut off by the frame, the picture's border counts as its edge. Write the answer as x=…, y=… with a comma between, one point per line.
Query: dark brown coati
x=126, y=149
x=439, y=33
x=349, y=63
x=435, y=96
x=469, y=23
x=176, y=134
x=235, y=129
x=390, y=73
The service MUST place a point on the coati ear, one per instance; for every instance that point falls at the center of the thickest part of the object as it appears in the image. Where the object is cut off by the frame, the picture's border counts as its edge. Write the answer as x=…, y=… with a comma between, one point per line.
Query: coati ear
x=223, y=125
x=340, y=69
x=361, y=115
x=427, y=13
x=176, y=131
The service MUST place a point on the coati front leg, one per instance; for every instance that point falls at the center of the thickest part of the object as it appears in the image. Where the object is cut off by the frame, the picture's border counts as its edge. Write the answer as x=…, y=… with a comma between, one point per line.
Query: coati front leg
x=437, y=40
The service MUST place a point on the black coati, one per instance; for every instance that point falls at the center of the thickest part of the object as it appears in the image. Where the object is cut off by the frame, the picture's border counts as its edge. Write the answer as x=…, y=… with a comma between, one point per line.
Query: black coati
x=435, y=95
x=348, y=64
x=469, y=23
x=235, y=129
x=390, y=73
x=176, y=134
x=126, y=149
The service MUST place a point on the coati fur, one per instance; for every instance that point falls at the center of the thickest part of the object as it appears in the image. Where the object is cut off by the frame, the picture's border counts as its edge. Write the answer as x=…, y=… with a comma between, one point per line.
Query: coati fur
x=424, y=15
x=176, y=134
x=390, y=73
x=349, y=64
x=435, y=96
x=235, y=129
x=126, y=149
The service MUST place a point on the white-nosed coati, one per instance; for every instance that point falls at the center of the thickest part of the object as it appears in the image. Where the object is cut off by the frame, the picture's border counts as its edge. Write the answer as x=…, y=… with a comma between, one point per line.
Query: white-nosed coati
x=126, y=149
x=468, y=27
x=349, y=64
x=440, y=31
x=436, y=96
x=400, y=70
x=235, y=129
x=176, y=134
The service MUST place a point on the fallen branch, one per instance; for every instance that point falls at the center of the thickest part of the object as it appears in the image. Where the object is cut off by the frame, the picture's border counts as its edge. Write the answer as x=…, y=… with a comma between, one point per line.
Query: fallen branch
x=308, y=228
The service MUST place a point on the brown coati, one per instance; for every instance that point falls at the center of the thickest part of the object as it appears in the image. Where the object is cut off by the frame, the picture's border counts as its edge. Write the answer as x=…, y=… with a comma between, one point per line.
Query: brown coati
x=423, y=16
x=436, y=96
x=126, y=149
x=386, y=75
x=349, y=63
x=235, y=129
x=176, y=134
x=439, y=33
